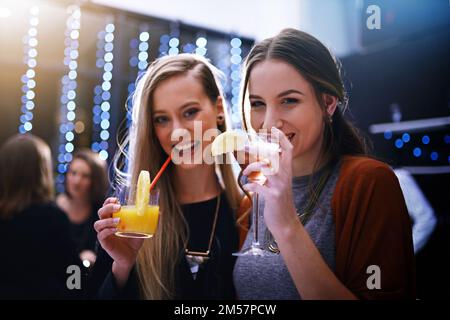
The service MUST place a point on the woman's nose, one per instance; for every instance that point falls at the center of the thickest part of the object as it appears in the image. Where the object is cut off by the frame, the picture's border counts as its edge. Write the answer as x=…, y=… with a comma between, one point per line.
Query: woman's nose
x=177, y=125
x=76, y=180
x=179, y=131
x=272, y=119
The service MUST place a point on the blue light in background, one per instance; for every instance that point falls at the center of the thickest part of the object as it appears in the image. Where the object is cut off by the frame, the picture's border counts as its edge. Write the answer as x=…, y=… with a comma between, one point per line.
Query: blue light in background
x=68, y=94
x=417, y=152
x=173, y=46
x=434, y=156
x=406, y=137
x=101, y=108
x=235, y=65
x=144, y=36
x=163, y=45
x=399, y=143
x=201, y=43
x=30, y=42
x=138, y=57
x=425, y=139
x=447, y=139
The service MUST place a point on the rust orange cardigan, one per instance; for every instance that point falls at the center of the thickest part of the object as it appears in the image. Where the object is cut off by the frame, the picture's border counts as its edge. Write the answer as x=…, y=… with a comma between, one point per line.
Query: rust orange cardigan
x=372, y=228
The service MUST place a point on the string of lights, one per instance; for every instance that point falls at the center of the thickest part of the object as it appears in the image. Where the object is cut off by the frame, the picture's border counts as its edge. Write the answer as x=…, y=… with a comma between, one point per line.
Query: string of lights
x=420, y=149
x=144, y=38
x=139, y=49
x=201, y=43
x=174, y=41
x=223, y=64
x=133, y=63
x=163, y=45
x=68, y=95
x=102, y=105
x=28, y=79
x=235, y=75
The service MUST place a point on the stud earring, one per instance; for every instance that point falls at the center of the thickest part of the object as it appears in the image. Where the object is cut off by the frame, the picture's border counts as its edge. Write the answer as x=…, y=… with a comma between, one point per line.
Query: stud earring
x=220, y=119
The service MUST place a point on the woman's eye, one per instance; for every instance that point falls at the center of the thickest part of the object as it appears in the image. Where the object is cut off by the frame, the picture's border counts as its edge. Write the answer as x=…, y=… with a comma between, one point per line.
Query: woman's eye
x=290, y=101
x=160, y=120
x=84, y=175
x=256, y=104
x=190, y=113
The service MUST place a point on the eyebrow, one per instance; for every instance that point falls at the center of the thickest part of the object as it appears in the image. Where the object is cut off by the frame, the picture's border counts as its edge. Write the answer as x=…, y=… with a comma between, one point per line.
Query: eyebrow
x=183, y=106
x=284, y=93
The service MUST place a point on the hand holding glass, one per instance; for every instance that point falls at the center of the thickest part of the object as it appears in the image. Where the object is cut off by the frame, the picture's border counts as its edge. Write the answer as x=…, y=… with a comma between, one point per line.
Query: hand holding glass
x=138, y=214
x=249, y=148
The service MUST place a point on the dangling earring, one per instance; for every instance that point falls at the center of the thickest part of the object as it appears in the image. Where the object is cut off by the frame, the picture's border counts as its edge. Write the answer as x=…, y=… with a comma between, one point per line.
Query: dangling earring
x=331, y=118
x=220, y=120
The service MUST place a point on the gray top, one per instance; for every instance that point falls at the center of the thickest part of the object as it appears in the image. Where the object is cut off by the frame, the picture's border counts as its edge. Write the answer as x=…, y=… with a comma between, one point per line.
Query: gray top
x=258, y=277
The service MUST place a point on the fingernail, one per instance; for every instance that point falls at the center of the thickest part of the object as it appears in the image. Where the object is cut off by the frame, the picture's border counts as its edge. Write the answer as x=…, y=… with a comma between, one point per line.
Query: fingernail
x=116, y=207
x=116, y=220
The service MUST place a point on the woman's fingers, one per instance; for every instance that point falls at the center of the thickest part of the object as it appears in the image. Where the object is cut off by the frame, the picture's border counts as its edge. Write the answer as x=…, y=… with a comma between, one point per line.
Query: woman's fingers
x=286, y=148
x=106, y=223
x=256, y=166
x=285, y=144
x=105, y=233
x=111, y=200
x=107, y=210
x=255, y=187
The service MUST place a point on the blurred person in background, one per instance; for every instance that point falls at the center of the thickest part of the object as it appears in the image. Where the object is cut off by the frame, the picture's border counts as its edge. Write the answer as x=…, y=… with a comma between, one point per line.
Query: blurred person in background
x=86, y=186
x=34, y=244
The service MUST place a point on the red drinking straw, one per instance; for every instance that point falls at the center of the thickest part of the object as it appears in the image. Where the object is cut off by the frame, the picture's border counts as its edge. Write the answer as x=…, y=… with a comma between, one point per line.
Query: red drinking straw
x=160, y=172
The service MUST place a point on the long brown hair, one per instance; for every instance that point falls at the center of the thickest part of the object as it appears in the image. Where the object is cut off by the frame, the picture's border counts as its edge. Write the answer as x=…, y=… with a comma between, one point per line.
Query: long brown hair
x=158, y=257
x=99, y=175
x=26, y=175
x=323, y=71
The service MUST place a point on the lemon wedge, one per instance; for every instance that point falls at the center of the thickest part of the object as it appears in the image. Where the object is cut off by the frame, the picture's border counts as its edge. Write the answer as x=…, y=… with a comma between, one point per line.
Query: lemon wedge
x=228, y=141
x=143, y=191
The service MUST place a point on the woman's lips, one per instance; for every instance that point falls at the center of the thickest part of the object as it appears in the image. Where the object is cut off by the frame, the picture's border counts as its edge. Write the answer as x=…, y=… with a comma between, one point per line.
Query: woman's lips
x=290, y=136
x=185, y=147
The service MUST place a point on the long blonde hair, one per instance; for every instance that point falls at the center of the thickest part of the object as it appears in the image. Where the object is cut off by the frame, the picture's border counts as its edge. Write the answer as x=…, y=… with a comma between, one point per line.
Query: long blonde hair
x=158, y=257
x=26, y=175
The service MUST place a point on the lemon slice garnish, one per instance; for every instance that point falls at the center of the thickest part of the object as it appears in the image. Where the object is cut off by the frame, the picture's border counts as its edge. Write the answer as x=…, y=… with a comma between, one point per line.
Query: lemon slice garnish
x=143, y=191
x=228, y=141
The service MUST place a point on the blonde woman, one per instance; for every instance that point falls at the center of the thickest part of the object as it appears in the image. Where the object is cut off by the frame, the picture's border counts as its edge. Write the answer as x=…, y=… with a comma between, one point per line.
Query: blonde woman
x=35, y=244
x=175, y=93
